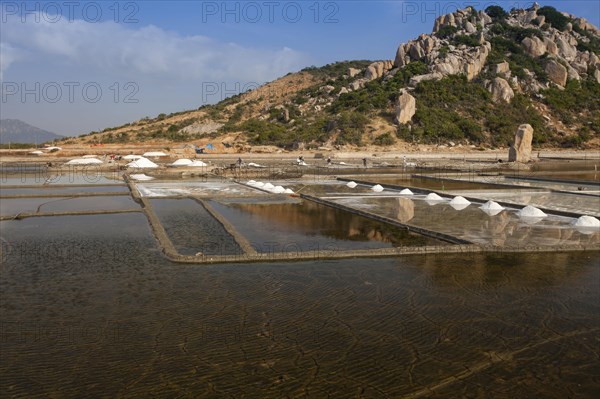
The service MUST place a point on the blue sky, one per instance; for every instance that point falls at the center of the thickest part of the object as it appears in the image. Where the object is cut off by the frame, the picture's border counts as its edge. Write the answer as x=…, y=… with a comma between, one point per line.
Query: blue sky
x=72, y=67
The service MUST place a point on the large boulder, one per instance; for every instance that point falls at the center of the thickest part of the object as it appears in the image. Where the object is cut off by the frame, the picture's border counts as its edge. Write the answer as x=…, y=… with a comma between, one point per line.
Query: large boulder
x=566, y=49
x=551, y=47
x=377, y=69
x=405, y=108
x=557, y=73
x=534, y=46
x=520, y=151
x=502, y=68
x=501, y=90
x=352, y=72
x=597, y=75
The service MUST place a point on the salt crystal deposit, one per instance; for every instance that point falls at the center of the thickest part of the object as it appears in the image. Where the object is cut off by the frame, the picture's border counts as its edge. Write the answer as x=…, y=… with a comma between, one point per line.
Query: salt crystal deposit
x=51, y=148
x=588, y=222
x=531, y=212
x=433, y=197
x=84, y=161
x=250, y=182
x=268, y=186
x=259, y=184
x=155, y=154
x=90, y=156
x=36, y=152
x=142, y=163
x=197, y=164
x=288, y=191
x=141, y=177
x=182, y=162
x=458, y=200
x=406, y=191
x=491, y=208
x=377, y=188
x=278, y=190
x=351, y=184
x=255, y=165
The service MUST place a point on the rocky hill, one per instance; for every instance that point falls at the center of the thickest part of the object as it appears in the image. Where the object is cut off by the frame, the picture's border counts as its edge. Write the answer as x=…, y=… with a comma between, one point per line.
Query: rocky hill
x=472, y=81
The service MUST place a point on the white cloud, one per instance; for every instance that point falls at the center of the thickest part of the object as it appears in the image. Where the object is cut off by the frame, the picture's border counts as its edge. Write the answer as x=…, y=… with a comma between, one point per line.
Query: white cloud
x=148, y=50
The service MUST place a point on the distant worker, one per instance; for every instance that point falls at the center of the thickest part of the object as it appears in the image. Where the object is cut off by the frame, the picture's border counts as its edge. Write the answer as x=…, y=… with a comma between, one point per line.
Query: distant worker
x=328, y=160
x=240, y=162
x=364, y=162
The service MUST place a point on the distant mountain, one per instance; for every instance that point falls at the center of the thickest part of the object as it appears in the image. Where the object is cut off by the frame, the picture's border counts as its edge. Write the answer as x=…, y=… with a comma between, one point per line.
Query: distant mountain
x=16, y=131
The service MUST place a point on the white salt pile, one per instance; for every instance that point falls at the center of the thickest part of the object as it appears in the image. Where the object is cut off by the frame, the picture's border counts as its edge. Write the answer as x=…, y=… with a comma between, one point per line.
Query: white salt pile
x=155, y=154
x=343, y=163
x=182, y=162
x=84, y=161
x=250, y=182
x=268, y=186
x=255, y=165
x=288, y=191
x=587, y=222
x=351, y=184
x=531, y=212
x=377, y=188
x=197, y=164
x=131, y=157
x=406, y=191
x=458, y=200
x=89, y=156
x=36, y=152
x=259, y=184
x=491, y=205
x=302, y=163
x=278, y=190
x=491, y=208
x=141, y=177
x=142, y=163
x=51, y=148
x=433, y=197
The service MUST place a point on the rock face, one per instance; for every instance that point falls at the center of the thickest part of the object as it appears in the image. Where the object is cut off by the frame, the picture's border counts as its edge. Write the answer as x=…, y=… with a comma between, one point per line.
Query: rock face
x=520, y=151
x=502, y=68
x=352, y=72
x=377, y=69
x=202, y=127
x=557, y=73
x=534, y=46
x=405, y=108
x=501, y=90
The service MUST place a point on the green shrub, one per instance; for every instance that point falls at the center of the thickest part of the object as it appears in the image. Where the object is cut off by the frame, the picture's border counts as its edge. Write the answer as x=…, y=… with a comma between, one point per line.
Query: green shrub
x=554, y=17
x=497, y=13
x=384, y=140
x=446, y=31
x=468, y=40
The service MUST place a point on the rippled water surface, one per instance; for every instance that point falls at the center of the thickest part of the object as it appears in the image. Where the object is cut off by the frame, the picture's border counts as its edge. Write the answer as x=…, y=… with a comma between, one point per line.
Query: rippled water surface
x=90, y=308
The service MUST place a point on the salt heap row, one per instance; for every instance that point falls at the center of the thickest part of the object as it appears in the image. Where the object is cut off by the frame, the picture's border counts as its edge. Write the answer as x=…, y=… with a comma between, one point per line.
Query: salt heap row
x=270, y=187
x=188, y=163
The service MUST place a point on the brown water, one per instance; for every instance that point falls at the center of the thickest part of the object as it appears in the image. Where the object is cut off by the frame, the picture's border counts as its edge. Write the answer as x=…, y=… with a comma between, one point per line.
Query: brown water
x=307, y=226
x=111, y=317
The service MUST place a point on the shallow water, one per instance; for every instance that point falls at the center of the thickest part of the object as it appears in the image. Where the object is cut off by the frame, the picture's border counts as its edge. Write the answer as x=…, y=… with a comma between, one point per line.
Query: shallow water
x=112, y=317
x=90, y=307
x=192, y=229
x=504, y=229
x=49, y=189
x=41, y=176
x=64, y=204
x=307, y=226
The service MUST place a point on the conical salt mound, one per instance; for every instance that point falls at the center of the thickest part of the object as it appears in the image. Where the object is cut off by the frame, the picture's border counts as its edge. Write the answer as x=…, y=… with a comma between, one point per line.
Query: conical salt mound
x=351, y=184
x=268, y=186
x=433, y=197
x=377, y=188
x=84, y=161
x=588, y=222
x=492, y=206
x=142, y=163
x=458, y=200
x=531, y=212
x=182, y=162
x=406, y=191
